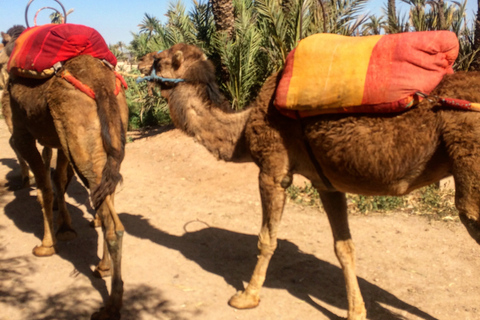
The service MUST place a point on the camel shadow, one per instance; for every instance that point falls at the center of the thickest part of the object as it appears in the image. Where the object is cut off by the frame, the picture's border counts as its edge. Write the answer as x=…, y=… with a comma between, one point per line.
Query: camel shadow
x=14, y=176
x=141, y=300
x=25, y=212
x=232, y=256
x=149, y=132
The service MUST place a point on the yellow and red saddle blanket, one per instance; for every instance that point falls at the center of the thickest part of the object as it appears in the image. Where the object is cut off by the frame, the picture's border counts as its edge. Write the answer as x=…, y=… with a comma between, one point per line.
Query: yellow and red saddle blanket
x=39, y=48
x=328, y=73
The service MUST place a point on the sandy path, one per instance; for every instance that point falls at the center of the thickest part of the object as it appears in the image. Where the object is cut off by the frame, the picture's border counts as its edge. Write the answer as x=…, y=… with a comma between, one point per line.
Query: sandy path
x=191, y=226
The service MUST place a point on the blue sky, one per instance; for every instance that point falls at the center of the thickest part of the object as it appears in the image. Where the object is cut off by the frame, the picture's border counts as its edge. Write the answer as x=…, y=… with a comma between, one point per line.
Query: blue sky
x=117, y=19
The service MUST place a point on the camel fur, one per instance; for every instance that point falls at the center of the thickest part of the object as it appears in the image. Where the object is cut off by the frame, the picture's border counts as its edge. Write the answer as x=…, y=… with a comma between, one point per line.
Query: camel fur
x=369, y=154
x=90, y=138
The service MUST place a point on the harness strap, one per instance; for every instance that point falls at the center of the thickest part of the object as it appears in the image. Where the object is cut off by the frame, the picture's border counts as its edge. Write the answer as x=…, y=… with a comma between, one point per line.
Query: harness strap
x=119, y=83
x=313, y=159
x=452, y=103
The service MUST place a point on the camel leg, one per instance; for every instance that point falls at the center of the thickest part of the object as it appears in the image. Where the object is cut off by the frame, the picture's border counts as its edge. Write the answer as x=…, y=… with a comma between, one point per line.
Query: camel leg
x=467, y=196
x=113, y=236
x=25, y=144
x=104, y=267
x=27, y=176
x=273, y=201
x=335, y=204
x=61, y=178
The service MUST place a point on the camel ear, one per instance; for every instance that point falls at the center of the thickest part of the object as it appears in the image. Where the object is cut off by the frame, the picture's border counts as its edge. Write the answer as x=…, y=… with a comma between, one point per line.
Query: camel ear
x=6, y=37
x=177, y=59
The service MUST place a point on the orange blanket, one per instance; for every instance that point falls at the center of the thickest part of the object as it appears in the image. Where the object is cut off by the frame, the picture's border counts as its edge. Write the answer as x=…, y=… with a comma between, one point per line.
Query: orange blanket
x=329, y=73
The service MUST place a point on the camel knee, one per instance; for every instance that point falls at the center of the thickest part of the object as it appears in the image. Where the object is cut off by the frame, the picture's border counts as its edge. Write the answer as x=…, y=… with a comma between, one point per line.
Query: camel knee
x=266, y=245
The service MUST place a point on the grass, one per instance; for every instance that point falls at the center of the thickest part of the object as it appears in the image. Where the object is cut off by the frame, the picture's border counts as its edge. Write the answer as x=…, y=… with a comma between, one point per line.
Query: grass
x=428, y=201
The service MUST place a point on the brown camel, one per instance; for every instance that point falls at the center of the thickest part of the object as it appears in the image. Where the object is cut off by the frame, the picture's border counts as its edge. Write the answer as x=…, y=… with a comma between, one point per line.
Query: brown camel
x=7, y=44
x=382, y=154
x=89, y=134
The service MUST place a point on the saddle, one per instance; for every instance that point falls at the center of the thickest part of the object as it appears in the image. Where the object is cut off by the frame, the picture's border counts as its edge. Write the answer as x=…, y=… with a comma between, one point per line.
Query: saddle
x=40, y=50
x=328, y=73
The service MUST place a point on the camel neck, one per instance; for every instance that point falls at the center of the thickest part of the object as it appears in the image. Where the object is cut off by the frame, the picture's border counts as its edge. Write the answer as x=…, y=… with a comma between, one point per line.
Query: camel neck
x=221, y=132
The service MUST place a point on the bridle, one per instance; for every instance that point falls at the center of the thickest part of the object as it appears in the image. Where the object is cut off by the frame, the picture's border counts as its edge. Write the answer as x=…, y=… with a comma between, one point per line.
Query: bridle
x=153, y=76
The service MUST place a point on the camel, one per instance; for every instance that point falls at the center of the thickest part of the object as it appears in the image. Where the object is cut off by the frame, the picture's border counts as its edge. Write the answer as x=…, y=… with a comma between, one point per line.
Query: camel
x=89, y=135
x=7, y=44
x=369, y=154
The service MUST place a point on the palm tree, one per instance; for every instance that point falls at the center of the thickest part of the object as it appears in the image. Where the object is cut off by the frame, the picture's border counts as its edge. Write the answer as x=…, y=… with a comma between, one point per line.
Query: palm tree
x=149, y=24
x=223, y=14
x=476, y=42
x=374, y=26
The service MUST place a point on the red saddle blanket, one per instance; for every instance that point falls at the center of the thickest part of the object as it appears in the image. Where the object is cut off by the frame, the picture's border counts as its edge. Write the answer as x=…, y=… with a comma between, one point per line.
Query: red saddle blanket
x=40, y=48
x=328, y=73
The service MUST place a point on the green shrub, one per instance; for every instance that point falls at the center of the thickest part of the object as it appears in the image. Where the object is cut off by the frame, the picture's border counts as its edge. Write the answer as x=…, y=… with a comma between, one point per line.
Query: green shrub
x=428, y=201
x=145, y=110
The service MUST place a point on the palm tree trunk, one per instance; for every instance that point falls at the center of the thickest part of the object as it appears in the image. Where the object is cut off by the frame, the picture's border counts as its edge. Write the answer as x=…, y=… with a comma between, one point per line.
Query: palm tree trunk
x=223, y=15
x=476, y=44
x=441, y=15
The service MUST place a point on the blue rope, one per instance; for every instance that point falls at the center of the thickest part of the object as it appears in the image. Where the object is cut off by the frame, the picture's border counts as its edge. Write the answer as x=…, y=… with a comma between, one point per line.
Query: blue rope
x=153, y=76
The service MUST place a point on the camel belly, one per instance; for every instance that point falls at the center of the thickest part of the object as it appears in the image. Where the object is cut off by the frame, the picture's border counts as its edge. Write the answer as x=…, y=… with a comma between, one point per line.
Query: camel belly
x=380, y=155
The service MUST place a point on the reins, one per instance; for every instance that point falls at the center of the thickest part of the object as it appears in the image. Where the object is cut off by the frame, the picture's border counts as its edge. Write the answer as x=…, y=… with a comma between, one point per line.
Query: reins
x=153, y=76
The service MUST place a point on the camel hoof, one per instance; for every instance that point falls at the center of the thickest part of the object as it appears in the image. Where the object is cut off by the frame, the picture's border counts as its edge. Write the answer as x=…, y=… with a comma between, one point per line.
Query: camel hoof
x=103, y=314
x=41, y=251
x=102, y=273
x=242, y=300
x=66, y=234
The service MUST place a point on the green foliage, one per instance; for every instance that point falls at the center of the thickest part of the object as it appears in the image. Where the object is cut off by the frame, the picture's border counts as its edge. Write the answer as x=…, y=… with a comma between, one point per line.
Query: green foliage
x=428, y=201
x=265, y=31
x=144, y=109
x=306, y=195
x=366, y=204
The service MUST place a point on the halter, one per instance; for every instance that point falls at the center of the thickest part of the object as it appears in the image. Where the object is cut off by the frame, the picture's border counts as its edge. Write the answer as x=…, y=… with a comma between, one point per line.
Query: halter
x=153, y=76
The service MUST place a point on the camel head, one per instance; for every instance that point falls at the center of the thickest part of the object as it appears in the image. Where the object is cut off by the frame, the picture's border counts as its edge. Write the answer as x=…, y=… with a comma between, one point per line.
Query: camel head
x=182, y=62
x=8, y=41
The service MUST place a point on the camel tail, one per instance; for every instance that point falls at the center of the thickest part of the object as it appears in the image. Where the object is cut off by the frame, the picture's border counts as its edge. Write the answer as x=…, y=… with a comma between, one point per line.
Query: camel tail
x=113, y=136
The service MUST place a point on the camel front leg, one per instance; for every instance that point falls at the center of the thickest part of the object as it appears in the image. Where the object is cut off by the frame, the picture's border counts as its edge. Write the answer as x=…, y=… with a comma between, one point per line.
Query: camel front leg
x=273, y=202
x=335, y=204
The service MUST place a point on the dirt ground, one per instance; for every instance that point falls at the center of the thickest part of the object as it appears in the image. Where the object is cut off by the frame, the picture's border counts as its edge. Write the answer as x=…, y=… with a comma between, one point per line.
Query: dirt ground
x=191, y=225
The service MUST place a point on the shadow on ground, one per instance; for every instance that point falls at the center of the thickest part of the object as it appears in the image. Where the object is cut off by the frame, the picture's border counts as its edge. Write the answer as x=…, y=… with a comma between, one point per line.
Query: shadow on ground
x=81, y=252
x=232, y=256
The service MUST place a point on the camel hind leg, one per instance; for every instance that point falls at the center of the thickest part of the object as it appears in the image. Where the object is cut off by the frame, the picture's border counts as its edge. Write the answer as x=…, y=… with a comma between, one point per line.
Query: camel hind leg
x=335, y=205
x=61, y=177
x=461, y=134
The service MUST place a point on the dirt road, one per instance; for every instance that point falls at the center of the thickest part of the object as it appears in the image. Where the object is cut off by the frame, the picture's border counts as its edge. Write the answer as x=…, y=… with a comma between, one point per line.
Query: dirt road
x=191, y=225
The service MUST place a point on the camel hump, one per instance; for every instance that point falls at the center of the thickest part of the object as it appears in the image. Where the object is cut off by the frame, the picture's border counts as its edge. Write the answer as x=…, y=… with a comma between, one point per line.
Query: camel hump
x=320, y=75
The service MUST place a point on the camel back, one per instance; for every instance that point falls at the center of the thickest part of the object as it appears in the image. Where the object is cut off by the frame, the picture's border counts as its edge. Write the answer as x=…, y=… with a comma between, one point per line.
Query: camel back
x=328, y=73
x=38, y=49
